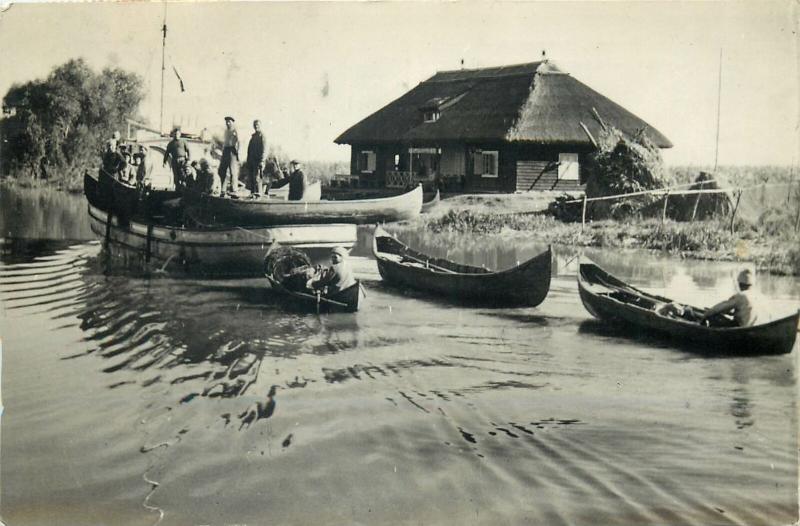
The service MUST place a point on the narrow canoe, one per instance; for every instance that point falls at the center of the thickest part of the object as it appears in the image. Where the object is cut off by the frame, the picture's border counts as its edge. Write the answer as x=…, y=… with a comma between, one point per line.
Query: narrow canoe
x=610, y=299
x=346, y=300
x=427, y=206
x=215, y=250
x=525, y=285
x=273, y=212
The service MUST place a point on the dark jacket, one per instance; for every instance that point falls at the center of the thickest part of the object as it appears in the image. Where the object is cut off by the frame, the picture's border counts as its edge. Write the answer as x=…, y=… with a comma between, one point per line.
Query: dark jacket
x=256, y=149
x=297, y=185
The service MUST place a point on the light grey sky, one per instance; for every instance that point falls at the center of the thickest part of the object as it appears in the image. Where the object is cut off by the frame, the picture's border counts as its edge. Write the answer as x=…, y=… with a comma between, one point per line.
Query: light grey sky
x=311, y=70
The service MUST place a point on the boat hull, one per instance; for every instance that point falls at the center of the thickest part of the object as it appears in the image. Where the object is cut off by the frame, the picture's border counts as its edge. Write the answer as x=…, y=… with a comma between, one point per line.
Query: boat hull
x=347, y=300
x=776, y=337
x=228, y=251
x=525, y=285
x=256, y=212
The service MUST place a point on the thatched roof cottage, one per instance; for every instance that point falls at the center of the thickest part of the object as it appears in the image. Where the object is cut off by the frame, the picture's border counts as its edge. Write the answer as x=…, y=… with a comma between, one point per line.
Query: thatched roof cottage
x=508, y=128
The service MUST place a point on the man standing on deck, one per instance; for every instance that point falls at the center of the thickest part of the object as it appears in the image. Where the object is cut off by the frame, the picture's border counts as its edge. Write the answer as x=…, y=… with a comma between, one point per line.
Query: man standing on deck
x=229, y=165
x=256, y=158
x=177, y=153
x=113, y=161
x=144, y=168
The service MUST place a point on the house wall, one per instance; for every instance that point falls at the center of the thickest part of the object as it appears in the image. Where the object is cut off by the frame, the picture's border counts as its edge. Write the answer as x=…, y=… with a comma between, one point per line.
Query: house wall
x=504, y=182
x=537, y=167
x=521, y=167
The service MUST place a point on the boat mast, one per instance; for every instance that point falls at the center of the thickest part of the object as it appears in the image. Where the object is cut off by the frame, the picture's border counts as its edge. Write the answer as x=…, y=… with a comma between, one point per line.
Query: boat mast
x=163, y=50
x=719, y=97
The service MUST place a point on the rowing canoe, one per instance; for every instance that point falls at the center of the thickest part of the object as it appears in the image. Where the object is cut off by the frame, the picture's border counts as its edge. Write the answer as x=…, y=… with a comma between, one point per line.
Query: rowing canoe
x=346, y=300
x=610, y=299
x=524, y=285
x=214, y=250
x=271, y=212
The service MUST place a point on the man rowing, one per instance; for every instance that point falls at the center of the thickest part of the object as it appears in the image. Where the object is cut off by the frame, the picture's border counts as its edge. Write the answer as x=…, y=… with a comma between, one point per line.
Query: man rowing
x=335, y=278
x=741, y=306
x=736, y=311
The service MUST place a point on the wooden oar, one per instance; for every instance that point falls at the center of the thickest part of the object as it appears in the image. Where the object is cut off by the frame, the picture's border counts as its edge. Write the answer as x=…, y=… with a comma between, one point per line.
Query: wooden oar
x=429, y=264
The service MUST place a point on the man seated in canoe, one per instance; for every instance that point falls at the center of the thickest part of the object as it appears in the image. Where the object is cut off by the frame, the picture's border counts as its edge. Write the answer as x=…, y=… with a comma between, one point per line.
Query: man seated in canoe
x=736, y=311
x=296, y=181
x=335, y=278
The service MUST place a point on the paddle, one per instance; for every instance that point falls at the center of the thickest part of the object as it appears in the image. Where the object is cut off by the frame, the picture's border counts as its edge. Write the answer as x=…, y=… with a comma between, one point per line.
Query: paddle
x=429, y=264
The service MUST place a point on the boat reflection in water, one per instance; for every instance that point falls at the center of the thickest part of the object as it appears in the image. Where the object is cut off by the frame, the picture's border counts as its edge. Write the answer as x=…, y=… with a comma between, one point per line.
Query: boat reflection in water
x=210, y=335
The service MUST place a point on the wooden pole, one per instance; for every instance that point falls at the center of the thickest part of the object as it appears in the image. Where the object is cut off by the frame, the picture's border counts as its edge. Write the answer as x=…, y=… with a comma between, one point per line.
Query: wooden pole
x=664, y=210
x=163, y=54
x=583, y=215
x=696, y=202
x=719, y=104
x=735, y=207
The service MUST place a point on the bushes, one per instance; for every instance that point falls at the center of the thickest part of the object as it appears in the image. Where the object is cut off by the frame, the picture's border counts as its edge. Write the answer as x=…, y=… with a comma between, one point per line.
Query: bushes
x=56, y=126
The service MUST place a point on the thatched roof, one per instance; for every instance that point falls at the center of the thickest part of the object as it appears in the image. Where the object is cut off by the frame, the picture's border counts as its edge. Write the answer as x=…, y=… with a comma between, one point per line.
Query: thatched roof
x=534, y=102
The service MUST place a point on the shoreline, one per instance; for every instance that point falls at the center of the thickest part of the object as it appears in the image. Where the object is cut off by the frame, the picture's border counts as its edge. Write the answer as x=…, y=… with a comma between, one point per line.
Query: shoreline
x=777, y=253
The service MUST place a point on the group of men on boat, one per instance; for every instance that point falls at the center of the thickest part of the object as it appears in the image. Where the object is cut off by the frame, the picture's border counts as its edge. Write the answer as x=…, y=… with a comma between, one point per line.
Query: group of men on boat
x=262, y=170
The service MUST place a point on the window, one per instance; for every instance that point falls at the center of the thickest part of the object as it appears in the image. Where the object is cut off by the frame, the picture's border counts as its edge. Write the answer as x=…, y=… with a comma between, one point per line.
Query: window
x=366, y=161
x=431, y=116
x=486, y=163
x=568, y=167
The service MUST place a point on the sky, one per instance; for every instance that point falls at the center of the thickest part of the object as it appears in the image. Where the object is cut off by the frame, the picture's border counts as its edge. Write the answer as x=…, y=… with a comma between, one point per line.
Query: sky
x=310, y=70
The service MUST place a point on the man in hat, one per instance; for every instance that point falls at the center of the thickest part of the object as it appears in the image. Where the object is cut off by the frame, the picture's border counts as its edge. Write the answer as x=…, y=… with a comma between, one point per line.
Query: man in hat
x=335, y=278
x=229, y=164
x=296, y=181
x=741, y=305
x=177, y=153
x=256, y=158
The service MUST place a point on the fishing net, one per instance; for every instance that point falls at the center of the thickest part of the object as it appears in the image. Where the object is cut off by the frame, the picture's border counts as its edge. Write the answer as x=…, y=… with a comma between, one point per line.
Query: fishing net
x=288, y=266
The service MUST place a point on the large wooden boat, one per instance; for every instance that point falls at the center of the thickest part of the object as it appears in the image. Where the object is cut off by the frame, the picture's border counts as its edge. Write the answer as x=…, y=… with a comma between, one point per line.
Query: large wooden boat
x=214, y=250
x=313, y=193
x=610, y=299
x=108, y=193
x=257, y=212
x=526, y=284
x=346, y=300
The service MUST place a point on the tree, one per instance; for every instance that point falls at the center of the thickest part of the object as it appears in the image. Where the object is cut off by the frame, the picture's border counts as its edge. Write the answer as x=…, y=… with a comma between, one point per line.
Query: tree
x=57, y=126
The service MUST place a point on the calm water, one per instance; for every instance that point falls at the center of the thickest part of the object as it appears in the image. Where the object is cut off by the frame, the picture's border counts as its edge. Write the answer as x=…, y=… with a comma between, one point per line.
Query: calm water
x=124, y=399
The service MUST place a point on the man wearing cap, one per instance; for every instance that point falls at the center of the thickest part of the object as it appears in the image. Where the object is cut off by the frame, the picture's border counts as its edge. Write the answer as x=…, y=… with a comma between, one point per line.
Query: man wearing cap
x=256, y=158
x=740, y=305
x=177, y=153
x=337, y=277
x=296, y=181
x=229, y=164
